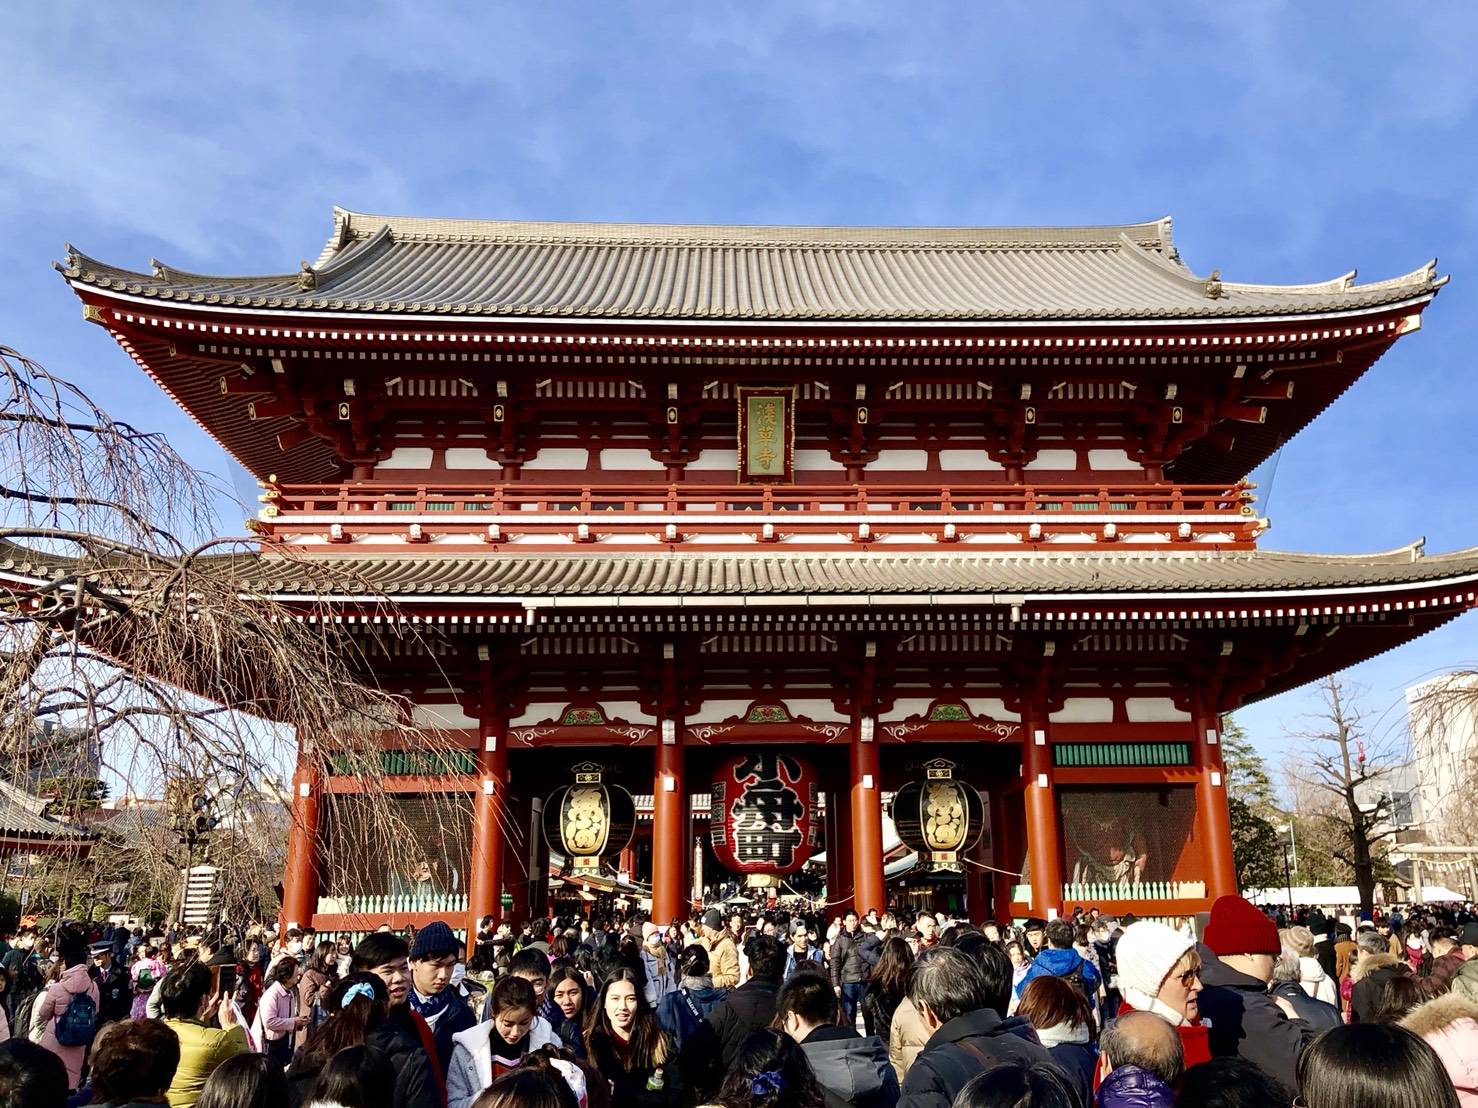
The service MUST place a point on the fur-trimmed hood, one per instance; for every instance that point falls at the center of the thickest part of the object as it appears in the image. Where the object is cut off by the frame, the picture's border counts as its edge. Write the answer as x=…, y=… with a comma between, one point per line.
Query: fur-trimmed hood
x=1360, y=969
x=1449, y=1025
x=1438, y=1013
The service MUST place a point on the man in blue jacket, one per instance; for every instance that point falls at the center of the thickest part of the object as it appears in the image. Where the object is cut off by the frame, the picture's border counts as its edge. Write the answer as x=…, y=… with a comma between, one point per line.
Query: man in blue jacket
x=1059, y=959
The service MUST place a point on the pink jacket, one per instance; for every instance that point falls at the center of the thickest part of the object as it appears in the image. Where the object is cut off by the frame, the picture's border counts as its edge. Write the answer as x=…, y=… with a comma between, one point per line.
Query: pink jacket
x=53, y=1002
x=275, y=1014
x=1449, y=1024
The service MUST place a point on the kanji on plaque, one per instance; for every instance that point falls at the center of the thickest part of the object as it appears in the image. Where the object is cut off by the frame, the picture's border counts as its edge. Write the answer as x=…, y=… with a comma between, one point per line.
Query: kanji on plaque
x=766, y=435
x=763, y=819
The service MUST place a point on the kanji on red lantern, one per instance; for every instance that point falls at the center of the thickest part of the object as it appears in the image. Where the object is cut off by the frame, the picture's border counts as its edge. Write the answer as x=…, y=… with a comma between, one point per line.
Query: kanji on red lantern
x=764, y=813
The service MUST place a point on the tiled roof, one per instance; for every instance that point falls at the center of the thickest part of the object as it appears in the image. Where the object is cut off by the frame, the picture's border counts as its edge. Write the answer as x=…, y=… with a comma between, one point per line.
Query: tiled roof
x=381, y=264
x=515, y=576
x=698, y=574
x=23, y=816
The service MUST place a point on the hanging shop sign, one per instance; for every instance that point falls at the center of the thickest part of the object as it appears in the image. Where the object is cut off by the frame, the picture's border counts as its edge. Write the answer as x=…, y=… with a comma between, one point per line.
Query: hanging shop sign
x=763, y=816
x=588, y=820
x=938, y=817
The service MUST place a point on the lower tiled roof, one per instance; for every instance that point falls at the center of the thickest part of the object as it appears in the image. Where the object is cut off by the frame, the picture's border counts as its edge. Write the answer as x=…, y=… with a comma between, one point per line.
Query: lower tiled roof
x=509, y=574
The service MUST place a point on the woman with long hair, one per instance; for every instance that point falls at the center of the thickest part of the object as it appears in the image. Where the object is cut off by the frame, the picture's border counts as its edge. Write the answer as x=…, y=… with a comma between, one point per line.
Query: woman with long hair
x=1372, y=1065
x=359, y=1015
x=770, y=1072
x=628, y=1047
x=571, y=997
x=886, y=987
x=317, y=978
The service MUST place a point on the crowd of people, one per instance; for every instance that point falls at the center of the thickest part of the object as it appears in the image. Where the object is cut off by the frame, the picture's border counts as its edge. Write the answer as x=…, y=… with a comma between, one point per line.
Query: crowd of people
x=775, y=1010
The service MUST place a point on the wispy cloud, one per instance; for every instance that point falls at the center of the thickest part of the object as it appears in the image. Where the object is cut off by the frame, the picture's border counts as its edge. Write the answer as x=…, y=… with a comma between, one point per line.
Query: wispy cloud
x=1290, y=141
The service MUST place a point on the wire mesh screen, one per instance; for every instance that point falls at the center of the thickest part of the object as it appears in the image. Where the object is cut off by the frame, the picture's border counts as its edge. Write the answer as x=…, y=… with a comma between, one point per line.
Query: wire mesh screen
x=1126, y=838
x=397, y=846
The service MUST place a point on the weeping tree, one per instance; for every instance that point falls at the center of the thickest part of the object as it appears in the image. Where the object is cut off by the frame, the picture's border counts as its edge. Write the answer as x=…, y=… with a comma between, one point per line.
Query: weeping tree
x=1342, y=768
x=129, y=625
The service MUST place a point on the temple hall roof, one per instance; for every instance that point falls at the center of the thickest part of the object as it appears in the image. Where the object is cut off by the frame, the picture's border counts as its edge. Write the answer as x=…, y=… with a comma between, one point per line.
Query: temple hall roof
x=393, y=265
x=683, y=575
x=23, y=820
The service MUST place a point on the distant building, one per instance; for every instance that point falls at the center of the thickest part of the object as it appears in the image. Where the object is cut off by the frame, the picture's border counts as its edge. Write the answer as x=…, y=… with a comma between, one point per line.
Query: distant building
x=1443, y=715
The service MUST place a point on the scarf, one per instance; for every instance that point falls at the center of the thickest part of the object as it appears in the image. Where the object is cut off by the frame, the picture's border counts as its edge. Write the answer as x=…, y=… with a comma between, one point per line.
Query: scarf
x=506, y=1055
x=1060, y=1033
x=430, y=1008
x=1143, y=1002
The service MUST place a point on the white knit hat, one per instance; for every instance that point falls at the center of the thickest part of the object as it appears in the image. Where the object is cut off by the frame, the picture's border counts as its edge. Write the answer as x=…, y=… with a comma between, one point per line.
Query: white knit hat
x=1146, y=954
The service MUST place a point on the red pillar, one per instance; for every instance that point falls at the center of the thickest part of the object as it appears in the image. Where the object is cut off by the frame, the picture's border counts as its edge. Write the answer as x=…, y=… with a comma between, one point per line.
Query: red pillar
x=840, y=891
x=538, y=861
x=1042, y=844
x=867, y=819
x=1004, y=856
x=516, y=859
x=300, y=877
x=671, y=840
x=1211, y=806
x=489, y=816
x=977, y=880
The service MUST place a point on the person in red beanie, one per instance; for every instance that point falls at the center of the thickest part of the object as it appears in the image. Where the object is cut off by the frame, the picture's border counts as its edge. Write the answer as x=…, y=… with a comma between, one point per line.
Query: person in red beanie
x=1245, y=1020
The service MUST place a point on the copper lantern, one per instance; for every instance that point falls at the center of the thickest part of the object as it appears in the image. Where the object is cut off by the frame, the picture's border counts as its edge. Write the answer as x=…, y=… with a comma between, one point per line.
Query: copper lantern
x=939, y=817
x=588, y=820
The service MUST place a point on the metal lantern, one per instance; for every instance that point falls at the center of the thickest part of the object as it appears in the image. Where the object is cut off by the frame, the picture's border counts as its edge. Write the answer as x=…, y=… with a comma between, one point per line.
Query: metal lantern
x=763, y=816
x=939, y=817
x=589, y=820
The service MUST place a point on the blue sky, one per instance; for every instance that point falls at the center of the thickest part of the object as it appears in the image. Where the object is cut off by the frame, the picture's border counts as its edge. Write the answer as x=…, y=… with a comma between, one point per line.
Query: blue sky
x=1290, y=142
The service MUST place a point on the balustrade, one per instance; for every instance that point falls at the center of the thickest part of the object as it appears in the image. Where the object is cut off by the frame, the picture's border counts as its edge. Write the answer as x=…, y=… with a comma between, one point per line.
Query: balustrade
x=675, y=511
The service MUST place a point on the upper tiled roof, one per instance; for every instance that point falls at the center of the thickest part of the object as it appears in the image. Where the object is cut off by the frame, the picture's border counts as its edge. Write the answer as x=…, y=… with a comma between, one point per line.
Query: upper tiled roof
x=698, y=574
x=382, y=264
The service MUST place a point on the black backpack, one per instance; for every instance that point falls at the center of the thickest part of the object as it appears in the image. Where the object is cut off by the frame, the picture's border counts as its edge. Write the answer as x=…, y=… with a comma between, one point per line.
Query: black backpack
x=1077, y=978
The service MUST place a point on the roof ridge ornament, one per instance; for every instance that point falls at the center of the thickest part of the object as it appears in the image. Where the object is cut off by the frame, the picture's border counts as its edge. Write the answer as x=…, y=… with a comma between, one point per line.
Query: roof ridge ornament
x=307, y=278
x=1213, y=285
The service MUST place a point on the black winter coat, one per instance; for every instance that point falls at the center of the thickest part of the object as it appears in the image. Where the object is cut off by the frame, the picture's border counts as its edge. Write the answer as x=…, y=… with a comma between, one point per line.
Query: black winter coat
x=709, y=1052
x=848, y=966
x=1245, y=1021
x=415, y=1078
x=1318, y=1014
x=1365, y=996
x=947, y=1062
x=458, y=1016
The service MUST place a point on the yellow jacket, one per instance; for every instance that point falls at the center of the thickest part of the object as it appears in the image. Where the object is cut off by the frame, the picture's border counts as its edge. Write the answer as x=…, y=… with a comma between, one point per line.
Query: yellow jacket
x=202, y=1048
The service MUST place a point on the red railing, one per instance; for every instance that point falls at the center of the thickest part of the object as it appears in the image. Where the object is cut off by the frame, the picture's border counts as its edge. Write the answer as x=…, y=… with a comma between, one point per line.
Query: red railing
x=947, y=512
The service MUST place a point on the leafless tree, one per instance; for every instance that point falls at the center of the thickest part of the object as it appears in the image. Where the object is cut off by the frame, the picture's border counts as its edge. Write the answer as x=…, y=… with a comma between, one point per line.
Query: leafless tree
x=120, y=620
x=1346, y=771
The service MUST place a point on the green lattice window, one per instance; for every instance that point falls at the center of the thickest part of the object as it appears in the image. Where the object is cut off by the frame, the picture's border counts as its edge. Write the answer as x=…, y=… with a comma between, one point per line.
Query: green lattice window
x=1121, y=754
x=410, y=763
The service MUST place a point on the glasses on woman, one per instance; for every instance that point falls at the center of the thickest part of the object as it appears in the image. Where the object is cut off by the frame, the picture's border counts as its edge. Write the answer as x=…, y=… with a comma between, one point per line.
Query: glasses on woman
x=1188, y=976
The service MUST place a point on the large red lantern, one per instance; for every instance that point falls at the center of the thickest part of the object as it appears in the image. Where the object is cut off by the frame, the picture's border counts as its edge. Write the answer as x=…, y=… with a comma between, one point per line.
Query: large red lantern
x=763, y=819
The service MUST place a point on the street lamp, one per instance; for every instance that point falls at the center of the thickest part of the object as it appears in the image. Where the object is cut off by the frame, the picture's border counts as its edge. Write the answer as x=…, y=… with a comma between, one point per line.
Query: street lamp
x=1285, y=840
